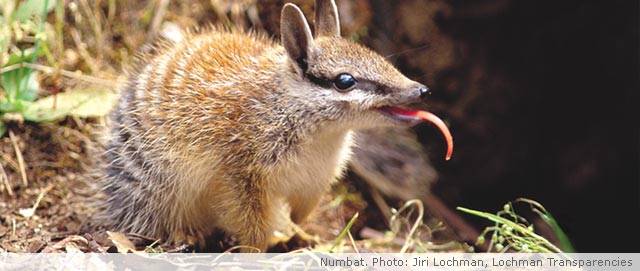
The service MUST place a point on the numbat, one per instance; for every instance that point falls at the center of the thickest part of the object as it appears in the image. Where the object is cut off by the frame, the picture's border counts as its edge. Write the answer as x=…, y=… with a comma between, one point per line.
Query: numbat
x=229, y=130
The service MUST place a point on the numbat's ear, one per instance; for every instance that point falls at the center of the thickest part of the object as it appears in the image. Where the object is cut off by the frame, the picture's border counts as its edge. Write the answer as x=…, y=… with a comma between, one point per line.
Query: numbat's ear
x=296, y=35
x=327, y=21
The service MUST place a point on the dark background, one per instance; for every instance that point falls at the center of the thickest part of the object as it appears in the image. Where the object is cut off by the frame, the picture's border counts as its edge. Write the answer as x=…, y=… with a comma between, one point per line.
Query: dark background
x=554, y=116
x=541, y=97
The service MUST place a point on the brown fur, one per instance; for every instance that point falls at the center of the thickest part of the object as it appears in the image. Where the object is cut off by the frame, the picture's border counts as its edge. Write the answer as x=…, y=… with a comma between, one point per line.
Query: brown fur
x=225, y=130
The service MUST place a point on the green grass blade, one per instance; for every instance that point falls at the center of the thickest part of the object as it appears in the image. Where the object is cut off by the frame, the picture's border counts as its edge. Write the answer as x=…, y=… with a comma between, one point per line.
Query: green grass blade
x=3, y=128
x=565, y=243
x=344, y=232
x=563, y=238
x=500, y=220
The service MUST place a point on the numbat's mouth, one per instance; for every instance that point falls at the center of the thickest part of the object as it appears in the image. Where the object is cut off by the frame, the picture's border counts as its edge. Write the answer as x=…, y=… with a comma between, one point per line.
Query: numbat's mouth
x=412, y=116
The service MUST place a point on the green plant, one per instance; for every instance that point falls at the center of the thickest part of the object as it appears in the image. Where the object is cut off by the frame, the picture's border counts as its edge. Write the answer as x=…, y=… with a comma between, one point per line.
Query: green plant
x=22, y=37
x=513, y=232
x=23, y=40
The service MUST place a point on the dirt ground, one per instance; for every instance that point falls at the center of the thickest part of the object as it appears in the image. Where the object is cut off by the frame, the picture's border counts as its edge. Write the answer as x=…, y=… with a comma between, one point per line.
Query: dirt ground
x=48, y=209
x=52, y=158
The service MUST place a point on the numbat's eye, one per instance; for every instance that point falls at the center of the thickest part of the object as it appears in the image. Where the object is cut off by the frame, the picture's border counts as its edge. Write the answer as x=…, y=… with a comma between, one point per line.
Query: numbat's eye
x=344, y=82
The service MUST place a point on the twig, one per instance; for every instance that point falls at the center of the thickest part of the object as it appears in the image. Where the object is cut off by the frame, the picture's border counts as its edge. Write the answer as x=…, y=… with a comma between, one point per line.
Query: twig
x=59, y=27
x=369, y=233
x=457, y=223
x=82, y=49
x=41, y=196
x=353, y=242
x=5, y=180
x=144, y=237
x=161, y=10
x=13, y=226
x=78, y=122
x=74, y=75
x=94, y=19
x=10, y=161
x=415, y=226
x=382, y=204
x=111, y=11
x=23, y=171
x=239, y=247
x=180, y=248
x=303, y=234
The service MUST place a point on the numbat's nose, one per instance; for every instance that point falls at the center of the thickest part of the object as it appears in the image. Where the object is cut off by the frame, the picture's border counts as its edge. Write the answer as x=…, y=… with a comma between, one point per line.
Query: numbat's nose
x=424, y=91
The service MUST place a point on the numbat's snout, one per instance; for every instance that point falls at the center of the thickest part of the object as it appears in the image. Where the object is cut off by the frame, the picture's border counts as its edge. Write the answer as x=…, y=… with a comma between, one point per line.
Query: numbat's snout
x=229, y=130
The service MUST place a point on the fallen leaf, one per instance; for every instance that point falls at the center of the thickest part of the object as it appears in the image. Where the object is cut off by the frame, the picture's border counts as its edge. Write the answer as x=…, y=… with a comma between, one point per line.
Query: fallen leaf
x=72, y=248
x=81, y=102
x=35, y=246
x=75, y=239
x=122, y=243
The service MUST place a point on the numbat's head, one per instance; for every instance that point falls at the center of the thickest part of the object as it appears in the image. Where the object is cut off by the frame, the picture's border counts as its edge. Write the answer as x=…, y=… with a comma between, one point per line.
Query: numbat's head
x=350, y=83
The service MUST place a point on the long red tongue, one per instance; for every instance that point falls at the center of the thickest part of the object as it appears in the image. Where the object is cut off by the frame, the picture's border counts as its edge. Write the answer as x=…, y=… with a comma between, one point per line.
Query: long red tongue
x=429, y=117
